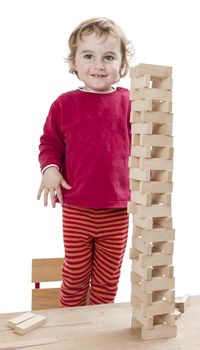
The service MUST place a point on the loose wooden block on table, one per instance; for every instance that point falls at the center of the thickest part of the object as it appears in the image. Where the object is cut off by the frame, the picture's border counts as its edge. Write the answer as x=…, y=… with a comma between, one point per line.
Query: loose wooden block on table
x=183, y=302
x=30, y=324
x=21, y=318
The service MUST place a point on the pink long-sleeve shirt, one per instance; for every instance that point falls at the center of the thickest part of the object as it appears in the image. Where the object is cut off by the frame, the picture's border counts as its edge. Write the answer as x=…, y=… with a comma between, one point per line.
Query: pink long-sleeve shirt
x=87, y=135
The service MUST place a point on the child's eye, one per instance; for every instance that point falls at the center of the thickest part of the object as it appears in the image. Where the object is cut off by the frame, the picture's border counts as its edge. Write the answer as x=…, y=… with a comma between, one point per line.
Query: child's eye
x=109, y=58
x=88, y=56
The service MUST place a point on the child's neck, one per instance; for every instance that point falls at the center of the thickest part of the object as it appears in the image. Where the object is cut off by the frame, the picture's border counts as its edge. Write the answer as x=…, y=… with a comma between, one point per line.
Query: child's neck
x=86, y=89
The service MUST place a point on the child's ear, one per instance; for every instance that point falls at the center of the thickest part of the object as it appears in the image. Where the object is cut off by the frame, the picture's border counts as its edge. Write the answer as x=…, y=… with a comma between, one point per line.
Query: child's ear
x=122, y=69
x=73, y=67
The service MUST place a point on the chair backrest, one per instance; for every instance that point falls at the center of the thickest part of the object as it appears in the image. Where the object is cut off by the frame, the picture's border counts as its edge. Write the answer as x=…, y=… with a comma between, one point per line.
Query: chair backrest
x=46, y=270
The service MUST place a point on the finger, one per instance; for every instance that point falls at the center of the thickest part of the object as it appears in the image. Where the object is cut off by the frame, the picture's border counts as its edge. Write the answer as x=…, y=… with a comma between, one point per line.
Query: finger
x=46, y=193
x=53, y=199
x=40, y=192
x=59, y=195
x=65, y=184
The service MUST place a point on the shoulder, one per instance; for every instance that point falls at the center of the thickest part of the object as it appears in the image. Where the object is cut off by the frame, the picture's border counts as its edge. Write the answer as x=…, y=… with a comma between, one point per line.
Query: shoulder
x=123, y=92
x=65, y=99
x=66, y=96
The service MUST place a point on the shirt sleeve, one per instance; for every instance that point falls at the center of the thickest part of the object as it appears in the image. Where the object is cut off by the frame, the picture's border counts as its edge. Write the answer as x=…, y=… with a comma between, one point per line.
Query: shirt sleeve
x=52, y=145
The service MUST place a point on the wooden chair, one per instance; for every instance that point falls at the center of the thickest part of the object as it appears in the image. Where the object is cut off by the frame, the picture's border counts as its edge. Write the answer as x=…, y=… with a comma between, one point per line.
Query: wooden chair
x=46, y=270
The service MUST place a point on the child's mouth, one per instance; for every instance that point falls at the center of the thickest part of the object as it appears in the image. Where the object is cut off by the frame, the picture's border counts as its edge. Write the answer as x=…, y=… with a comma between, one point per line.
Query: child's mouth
x=98, y=76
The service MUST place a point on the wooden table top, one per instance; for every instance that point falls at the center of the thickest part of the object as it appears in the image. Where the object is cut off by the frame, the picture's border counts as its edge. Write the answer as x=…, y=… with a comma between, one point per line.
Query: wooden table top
x=99, y=327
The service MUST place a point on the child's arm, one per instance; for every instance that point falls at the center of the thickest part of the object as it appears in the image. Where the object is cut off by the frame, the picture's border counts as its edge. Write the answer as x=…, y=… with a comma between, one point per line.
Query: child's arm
x=51, y=183
x=51, y=157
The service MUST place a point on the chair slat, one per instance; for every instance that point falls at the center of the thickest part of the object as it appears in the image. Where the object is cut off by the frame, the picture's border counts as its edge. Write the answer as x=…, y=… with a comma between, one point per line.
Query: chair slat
x=47, y=270
x=46, y=298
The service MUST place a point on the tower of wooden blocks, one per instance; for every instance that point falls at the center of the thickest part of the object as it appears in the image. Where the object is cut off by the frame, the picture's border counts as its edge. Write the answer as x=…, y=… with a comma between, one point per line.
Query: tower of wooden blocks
x=151, y=164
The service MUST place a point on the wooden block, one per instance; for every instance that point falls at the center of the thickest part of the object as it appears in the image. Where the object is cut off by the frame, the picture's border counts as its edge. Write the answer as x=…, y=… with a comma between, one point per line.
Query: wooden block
x=155, y=235
x=160, y=295
x=161, y=175
x=147, y=322
x=183, y=302
x=151, y=198
x=141, y=82
x=165, y=107
x=133, y=162
x=135, y=278
x=145, y=297
x=141, y=151
x=157, y=210
x=177, y=314
x=14, y=321
x=135, y=324
x=163, y=271
x=135, y=301
x=164, y=247
x=143, y=222
x=142, y=105
x=157, y=284
x=151, y=94
x=135, y=139
x=158, y=198
x=156, y=259
x=141, y=198
x=142, y=128
x=30, y=324
x=148, y=117
x=133, y=253
x=168, y=319
x=145, y=248
x=163, y=83
x=169, y=295
x=162, y=152
x=145, y=273
x=157, y=308
x=162, y=129
x=156, y=140
x=134, y=185
x=162, y=223
x=156, y=164
x=139, y=174
x=159, y=332
x=155, y=71
x=155, y=187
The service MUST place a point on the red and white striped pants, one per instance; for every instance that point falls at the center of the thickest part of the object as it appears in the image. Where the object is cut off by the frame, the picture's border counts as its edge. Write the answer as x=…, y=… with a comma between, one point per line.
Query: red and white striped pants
x=95, y=242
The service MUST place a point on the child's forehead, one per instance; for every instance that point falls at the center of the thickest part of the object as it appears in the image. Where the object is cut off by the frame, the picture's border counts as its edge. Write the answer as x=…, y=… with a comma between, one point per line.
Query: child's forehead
x=94, y=39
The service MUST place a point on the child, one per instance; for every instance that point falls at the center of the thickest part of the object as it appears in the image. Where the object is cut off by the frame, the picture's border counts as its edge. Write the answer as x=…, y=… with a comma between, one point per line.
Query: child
x=84, y=154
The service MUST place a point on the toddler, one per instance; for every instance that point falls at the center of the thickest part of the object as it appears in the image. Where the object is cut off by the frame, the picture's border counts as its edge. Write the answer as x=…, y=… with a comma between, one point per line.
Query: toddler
x=83, y=156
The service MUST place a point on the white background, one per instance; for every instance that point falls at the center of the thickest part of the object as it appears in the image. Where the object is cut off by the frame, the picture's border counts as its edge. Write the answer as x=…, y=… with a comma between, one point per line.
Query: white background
x=33, y=43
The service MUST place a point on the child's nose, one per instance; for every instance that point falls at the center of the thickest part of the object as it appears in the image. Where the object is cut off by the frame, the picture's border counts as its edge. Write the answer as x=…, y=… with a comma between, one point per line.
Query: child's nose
x=99, y=65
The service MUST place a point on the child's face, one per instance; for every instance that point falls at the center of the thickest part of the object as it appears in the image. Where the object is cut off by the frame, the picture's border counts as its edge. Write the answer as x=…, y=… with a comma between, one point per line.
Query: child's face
x=98, y=62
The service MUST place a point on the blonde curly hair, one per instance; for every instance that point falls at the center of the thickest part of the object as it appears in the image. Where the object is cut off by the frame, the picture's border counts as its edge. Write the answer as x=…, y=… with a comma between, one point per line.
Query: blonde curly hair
x=101, y=26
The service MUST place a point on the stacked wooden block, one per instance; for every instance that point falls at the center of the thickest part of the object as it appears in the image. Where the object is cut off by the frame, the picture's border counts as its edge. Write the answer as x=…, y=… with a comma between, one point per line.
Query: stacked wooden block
x=151, y=164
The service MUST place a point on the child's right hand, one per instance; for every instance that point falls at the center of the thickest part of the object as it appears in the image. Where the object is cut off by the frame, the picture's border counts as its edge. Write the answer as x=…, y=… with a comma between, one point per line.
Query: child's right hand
x=51, y=183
